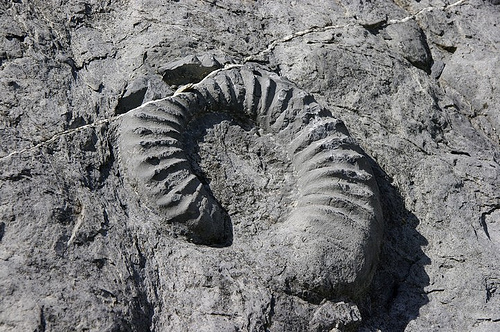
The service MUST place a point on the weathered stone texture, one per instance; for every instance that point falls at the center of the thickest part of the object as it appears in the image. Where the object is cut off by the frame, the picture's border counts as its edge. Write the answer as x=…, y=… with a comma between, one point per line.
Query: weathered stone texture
x=415, y=82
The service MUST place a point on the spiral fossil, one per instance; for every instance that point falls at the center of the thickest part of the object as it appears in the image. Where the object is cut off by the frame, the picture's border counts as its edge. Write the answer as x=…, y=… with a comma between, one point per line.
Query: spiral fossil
x=334, y=179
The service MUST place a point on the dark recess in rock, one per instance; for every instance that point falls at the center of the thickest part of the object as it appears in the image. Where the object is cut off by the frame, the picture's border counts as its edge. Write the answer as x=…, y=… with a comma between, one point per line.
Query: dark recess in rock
x=185, y=74
x=131, y=100
x=191, y=69
x=2, y=230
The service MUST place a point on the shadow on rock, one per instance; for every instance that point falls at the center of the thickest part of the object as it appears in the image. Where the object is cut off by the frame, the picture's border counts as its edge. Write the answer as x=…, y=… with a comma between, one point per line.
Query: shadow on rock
x=397, y=292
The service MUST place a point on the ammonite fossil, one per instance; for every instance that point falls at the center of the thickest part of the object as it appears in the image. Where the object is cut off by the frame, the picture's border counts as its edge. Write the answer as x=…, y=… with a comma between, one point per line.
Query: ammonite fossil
x=337, y=204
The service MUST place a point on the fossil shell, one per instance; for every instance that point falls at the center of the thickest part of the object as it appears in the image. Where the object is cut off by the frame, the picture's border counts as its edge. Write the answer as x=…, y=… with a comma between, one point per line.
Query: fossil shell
x=337, y=207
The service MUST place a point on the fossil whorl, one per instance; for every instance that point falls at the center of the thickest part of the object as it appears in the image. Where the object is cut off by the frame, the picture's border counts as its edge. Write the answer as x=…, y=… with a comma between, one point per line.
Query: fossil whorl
x=337, y=208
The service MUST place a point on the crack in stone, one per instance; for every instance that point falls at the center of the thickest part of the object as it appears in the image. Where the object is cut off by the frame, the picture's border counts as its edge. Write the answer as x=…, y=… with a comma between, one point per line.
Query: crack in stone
x=294, y=35
x=274, y=43
x=426, y=9
x=101, y=122
x=250, y=58
x=61, y=134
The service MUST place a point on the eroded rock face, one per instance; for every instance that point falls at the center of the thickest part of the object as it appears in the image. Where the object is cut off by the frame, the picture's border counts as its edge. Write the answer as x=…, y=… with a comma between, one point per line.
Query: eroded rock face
x=414, y=81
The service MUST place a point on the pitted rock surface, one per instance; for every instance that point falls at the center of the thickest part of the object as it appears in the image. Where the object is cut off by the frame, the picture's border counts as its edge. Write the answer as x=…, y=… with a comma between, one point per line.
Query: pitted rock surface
x=414, y=81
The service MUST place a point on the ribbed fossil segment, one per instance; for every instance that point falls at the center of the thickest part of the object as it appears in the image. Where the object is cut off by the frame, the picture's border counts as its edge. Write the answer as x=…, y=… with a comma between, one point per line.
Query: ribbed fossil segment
x=336, y=218
x=335, y=230
x=154, y=158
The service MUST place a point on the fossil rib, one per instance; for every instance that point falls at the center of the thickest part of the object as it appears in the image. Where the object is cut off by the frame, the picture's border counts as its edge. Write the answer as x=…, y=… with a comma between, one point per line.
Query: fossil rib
x=335, y=182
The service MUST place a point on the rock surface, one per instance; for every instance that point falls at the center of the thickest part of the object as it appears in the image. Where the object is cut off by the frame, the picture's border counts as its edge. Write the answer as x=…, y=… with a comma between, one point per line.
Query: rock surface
x=415, y=82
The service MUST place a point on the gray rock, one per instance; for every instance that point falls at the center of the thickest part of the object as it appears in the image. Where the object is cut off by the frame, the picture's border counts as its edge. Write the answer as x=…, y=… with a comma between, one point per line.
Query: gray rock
x=414, y=82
